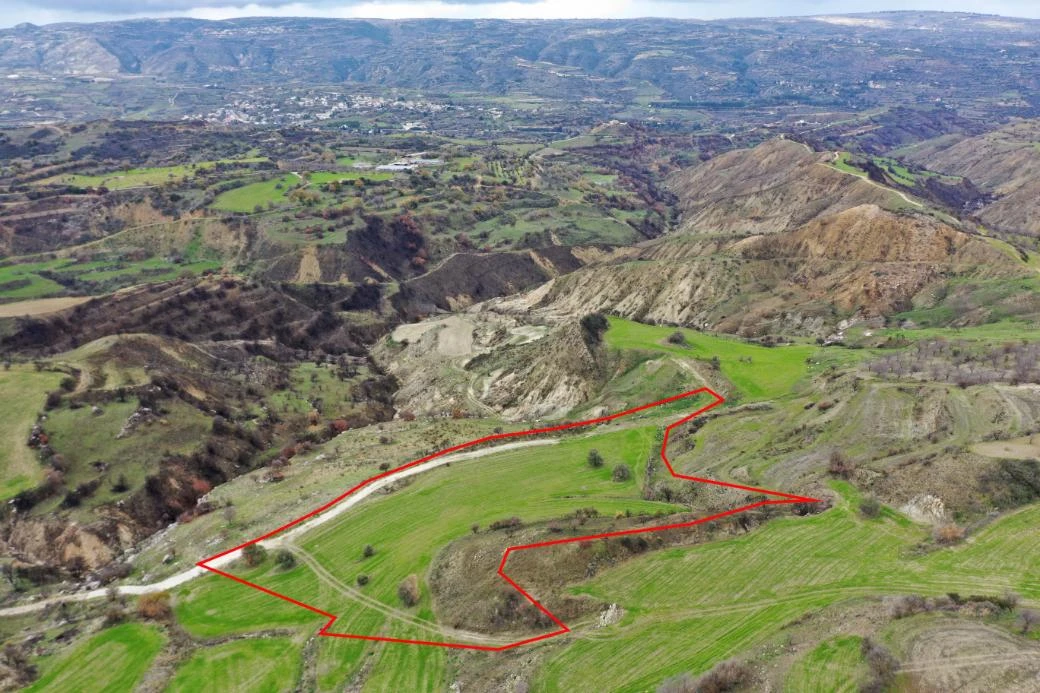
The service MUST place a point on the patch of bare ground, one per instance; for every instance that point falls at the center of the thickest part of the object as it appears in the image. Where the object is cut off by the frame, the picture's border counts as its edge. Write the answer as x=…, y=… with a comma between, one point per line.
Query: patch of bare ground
x=954, y=654
x=40, y=306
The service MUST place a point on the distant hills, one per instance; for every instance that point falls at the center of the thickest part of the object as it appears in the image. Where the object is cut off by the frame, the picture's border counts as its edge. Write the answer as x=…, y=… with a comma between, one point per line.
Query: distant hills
x=849, y=62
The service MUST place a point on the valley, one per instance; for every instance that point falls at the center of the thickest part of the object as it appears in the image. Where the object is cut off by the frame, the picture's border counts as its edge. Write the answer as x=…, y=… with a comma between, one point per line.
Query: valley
x=332, y=353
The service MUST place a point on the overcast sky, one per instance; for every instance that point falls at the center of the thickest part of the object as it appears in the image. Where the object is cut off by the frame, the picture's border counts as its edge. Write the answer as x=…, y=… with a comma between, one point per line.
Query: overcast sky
x=48, y=11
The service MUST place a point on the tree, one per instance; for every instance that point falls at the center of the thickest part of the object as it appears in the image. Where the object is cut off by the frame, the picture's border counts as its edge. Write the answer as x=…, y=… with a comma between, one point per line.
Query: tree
x=593, y=326
x=621, y=473
x=870, y=507
x=369, y=551
x=122, y=484
x=408, y=590
x=362, y=580
x=595, y=459
x=677, y=338
x=285, y=559
x=254, y=555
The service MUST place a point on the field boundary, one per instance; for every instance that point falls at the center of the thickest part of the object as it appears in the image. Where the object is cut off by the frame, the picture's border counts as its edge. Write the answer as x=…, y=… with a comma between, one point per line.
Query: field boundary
x=782, y=498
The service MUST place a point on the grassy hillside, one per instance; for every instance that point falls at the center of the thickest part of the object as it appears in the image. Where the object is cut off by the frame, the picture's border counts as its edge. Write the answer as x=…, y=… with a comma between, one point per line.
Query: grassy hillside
x=690, y=608
x=24, y=390
x=757, y=372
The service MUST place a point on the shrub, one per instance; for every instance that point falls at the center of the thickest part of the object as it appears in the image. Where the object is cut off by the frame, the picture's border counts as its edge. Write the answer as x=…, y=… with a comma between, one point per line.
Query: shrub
x=595, y=459
x=254, y=554
x=408, y=590
x=1029, y=619
x=507, y=523
x=870, y=507
x=677, y=338
x=725, y=676
x=368, y=551
x=949, y=533
x=839, y=465
x=883, y=665
x=155, y=606
x=362, y=580
x=621, y=473
x=285, y=559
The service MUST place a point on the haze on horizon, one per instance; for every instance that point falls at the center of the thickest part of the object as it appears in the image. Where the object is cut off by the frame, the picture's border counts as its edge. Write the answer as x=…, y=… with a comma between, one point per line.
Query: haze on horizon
x=51, y=11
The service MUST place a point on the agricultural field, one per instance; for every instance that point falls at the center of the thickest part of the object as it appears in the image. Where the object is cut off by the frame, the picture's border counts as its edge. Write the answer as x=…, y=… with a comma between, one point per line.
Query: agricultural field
x=35, y=280
x=768, y=577
x=255, y=197
x=266, y=665
x=114, y=660
x=26, y=390
x=757, y=372
x=146, y=177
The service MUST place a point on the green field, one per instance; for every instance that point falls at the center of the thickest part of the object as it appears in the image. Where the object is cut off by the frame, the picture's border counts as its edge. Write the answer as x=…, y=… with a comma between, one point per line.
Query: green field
x=322, y=177
x=24, y=391
x=26, y=281
x=690, y=608
x=686, y=608
x=265, y=665
x=141, y=177
x=834, y=666
x=536, y=483
x=113, y=661
x=248, y=197
x=758, y=372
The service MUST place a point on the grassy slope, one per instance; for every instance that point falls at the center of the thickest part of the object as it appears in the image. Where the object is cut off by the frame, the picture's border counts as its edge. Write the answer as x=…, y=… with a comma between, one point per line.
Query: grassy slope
x=114, y=660
x=690, y=608
x=263, y=666
x=726, y=596
x=534, y=483
x=757, y=372
x=138, y=177
x=84, y=438
x=247, y=197
x=24, y=391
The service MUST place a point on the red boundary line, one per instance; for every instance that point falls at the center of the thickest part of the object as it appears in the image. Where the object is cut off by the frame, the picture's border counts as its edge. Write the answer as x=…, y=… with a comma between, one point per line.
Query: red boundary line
x=784, y=498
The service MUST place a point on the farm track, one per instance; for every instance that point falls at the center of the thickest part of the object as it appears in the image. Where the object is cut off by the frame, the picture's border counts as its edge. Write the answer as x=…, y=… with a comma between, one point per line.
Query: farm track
x=330, y=580
x=229, y=556
x=365, y=488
